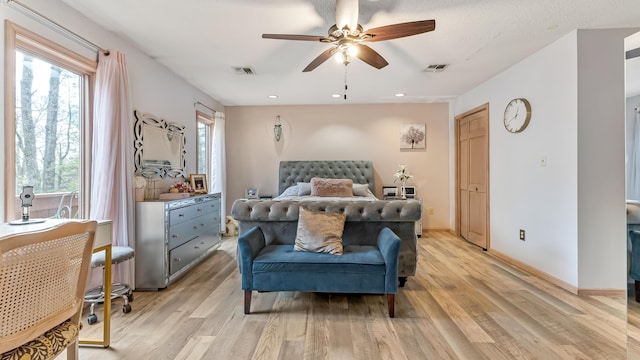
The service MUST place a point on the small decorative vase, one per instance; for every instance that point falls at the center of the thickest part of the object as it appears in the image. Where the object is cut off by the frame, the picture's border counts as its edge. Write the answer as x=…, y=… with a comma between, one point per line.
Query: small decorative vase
x=403, y=193
x=140, y=194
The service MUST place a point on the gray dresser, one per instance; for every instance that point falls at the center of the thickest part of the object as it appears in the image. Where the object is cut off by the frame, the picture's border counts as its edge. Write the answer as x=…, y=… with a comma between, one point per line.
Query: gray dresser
x=172, y=236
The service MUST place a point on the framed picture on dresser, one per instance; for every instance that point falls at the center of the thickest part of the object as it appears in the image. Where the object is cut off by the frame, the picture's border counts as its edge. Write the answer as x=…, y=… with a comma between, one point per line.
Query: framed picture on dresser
x=251, y=193
x=199, y=183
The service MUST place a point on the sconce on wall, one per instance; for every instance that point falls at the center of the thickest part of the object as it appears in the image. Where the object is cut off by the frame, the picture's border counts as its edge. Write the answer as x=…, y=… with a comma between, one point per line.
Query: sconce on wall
x=277, y=129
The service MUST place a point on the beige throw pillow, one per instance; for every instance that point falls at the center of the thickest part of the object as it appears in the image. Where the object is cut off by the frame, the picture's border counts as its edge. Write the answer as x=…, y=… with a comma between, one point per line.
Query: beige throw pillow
x=331, y=187
x=320, y=232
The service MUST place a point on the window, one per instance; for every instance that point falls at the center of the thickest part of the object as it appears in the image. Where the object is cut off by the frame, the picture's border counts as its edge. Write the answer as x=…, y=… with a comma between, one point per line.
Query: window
x=46, y=134
x=204, y=131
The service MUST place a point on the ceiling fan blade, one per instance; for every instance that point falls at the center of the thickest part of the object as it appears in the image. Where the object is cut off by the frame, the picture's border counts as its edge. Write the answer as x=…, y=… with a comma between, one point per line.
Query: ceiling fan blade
x=400, y=30
x=347, y=14
x=371, y=57
x=293, y=37
x=321, y=58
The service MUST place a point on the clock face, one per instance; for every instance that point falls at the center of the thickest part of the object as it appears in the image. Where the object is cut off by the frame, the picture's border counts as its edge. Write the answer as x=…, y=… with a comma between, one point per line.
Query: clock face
x=517, y=115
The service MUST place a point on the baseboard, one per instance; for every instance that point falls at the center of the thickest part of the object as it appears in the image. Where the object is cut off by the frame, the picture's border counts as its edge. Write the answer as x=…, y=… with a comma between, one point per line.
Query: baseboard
x=435, y=229
x=615, y=293
x=533, y=271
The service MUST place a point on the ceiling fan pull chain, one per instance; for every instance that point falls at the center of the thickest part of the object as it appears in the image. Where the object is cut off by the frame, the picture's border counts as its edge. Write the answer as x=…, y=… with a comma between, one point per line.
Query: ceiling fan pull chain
x=345, y=81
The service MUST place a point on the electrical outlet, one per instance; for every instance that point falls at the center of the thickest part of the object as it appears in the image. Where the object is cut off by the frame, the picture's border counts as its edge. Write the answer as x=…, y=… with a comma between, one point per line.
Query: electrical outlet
x=521, y=234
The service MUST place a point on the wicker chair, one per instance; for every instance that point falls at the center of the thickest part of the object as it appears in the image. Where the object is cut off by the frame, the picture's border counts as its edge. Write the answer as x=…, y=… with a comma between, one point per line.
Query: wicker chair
x=43, y=276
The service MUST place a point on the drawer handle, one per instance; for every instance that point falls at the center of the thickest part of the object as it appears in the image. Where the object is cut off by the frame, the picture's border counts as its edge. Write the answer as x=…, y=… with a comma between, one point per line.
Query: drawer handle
x=199, y=209
x=180, y=215
x=178, y=259
x=195, y=227
x=174, y=236
x=196, y=247
x=201, y=224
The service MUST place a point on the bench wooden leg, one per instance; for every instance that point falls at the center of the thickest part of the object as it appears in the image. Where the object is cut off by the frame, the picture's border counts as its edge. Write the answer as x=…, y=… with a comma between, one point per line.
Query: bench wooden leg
x=247, y=301
x=392, y=304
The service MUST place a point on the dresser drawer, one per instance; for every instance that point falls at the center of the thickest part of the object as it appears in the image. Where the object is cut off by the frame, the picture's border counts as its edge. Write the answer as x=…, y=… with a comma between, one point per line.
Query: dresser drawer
x=213, y=207
x=184, y=254
x=183, y=232
x=177, y=216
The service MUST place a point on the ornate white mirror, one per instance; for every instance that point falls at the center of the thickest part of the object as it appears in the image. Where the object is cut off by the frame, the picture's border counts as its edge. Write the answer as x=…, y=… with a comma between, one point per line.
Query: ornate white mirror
x=159, y=147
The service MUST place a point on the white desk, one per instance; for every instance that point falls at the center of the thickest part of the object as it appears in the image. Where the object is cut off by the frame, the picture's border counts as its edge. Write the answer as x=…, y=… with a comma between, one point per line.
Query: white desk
x=101, y=242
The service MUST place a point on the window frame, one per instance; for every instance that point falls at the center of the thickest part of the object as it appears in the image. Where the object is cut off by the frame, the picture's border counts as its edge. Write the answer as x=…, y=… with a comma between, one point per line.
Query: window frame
x=209, y=121
x=19, y=38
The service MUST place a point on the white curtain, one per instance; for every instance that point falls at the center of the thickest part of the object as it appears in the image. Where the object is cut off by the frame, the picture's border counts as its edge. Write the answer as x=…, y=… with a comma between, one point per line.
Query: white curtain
x=633, y=192
x=112, y=163
x=218, y=164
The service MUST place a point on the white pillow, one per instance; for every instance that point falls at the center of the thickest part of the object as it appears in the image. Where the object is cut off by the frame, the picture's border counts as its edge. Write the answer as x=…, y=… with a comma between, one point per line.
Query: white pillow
x=304, y=189
x=290, y=191
x=360, y=189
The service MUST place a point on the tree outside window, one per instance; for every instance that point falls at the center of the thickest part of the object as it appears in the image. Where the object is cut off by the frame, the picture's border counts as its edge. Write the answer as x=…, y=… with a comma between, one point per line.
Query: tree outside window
x=48, y=137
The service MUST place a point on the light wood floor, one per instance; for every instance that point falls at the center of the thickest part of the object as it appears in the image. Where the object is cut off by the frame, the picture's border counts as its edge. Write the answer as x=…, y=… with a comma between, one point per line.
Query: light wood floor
x=633, y=328
x=462, y=304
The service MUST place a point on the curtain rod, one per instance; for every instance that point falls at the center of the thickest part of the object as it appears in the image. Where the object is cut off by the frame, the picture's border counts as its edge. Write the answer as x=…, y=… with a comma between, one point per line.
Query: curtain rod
x=203, y=105
x=65, y=30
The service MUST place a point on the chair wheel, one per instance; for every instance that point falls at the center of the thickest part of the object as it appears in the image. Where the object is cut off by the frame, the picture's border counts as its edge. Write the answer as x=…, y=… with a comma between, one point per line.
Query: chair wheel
x=126, y=308
x=92, y=319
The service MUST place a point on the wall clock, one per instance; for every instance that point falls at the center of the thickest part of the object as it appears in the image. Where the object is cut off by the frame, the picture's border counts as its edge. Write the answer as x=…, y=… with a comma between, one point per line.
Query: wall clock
x=517, y=115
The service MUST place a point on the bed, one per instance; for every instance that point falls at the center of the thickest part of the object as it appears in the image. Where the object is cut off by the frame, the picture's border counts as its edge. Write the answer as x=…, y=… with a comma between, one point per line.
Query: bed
x=294, y=177
x=367, y=214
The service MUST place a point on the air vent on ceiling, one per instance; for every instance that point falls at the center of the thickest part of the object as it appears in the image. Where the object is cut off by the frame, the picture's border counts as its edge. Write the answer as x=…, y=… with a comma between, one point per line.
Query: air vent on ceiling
x=436, y=68
x=243, y=70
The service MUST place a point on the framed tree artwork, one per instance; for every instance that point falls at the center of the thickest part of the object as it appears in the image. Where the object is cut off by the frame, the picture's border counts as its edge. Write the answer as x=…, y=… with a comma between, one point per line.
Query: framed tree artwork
x=413, y=136
x=199, y=183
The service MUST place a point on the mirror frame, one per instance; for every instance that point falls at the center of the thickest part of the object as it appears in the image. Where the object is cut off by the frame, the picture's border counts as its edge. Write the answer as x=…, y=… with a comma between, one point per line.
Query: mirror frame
x=157, y=170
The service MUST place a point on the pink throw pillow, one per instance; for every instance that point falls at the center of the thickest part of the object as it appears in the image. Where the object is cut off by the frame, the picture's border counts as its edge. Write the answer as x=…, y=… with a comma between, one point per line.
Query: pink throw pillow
x=331, y=187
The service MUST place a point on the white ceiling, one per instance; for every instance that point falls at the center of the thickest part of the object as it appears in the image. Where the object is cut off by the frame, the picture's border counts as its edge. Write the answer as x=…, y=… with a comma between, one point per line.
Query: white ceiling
x=201, y=40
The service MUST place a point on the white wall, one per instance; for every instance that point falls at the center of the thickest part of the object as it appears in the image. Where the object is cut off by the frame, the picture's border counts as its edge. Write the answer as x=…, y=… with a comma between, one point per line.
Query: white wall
x=540, y=200
x=154, y=88
x=341, y=132
x=572, y=209
x=601, y=170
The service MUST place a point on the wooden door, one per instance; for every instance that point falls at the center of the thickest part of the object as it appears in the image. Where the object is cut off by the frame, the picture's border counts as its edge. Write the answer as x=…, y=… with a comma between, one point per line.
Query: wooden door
x=472, y=170
x=463, y=170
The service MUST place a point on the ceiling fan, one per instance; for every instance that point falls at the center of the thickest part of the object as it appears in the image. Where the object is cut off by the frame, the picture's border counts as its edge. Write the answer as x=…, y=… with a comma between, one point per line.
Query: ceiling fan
x=348, y=36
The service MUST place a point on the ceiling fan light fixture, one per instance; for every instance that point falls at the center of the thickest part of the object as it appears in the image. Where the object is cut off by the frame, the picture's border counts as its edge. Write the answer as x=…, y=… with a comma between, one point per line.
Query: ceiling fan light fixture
x=348, y=36
x=400, y=94
x=273, y=96
x=342, y=57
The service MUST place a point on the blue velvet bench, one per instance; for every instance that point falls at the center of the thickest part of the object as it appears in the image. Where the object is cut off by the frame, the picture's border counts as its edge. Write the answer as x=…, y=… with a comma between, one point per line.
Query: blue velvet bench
x=362, y=269
x=369, y=265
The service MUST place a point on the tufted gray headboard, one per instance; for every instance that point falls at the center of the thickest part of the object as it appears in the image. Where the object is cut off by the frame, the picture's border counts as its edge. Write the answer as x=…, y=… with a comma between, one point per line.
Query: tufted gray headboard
x=292, y=172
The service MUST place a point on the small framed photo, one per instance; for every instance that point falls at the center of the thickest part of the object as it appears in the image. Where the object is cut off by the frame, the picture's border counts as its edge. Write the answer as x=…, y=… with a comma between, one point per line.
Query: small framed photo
x=199, y=183
x=252, y=193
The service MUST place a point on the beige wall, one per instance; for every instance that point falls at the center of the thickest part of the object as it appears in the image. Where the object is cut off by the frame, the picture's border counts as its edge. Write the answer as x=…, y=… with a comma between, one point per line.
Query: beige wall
x=341, y=132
